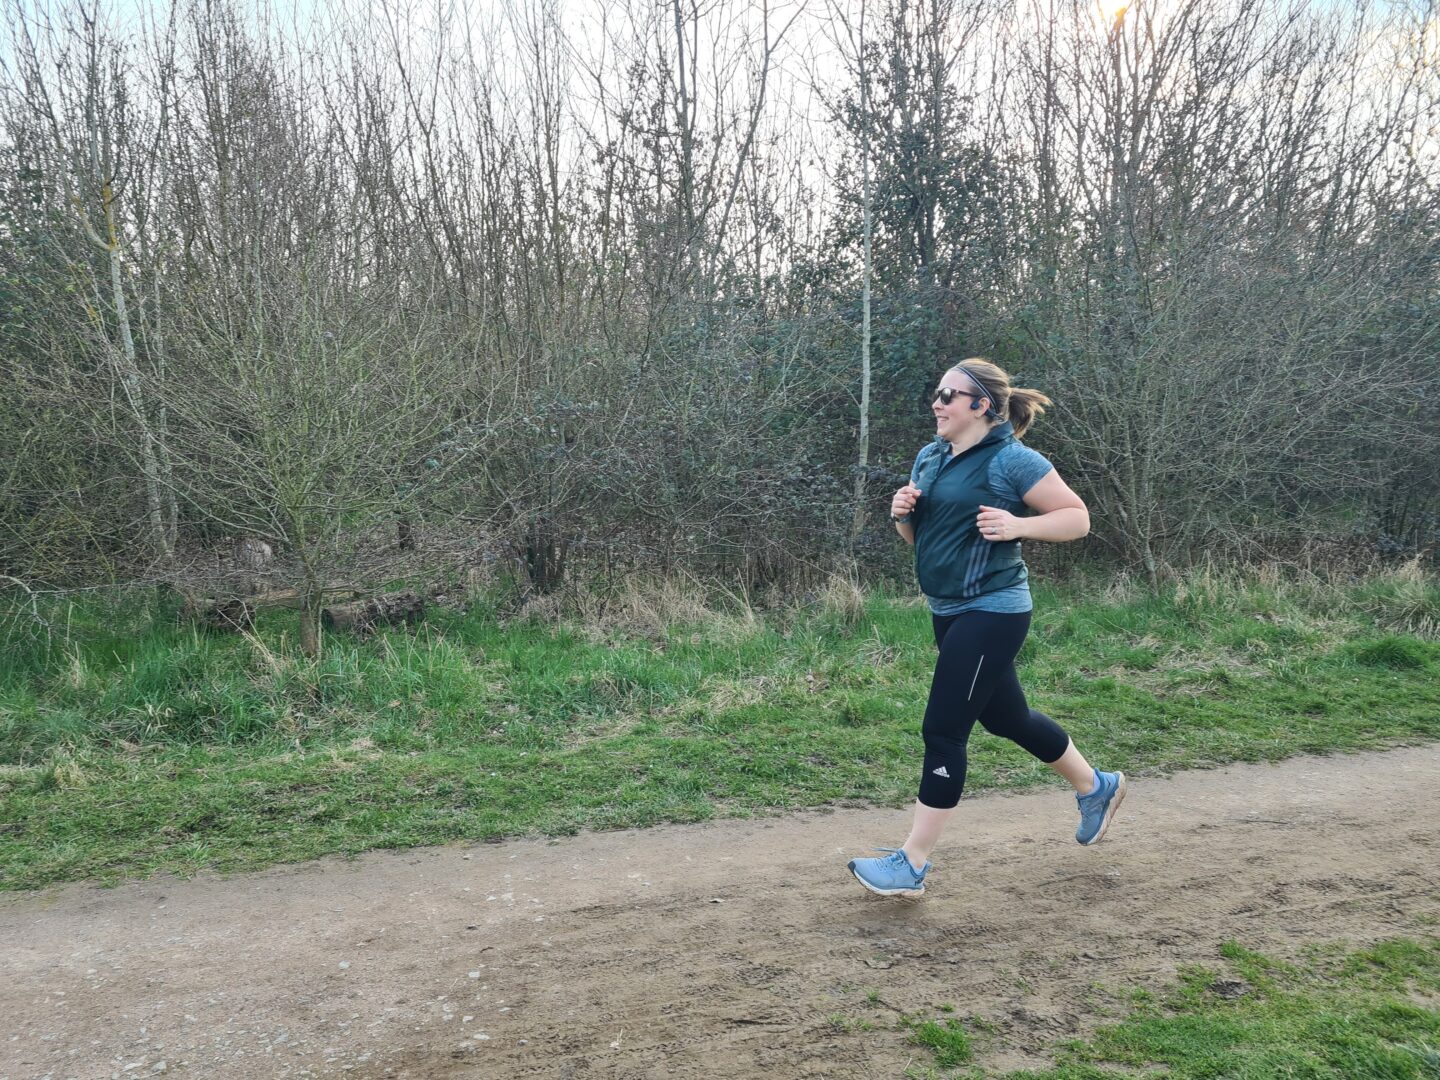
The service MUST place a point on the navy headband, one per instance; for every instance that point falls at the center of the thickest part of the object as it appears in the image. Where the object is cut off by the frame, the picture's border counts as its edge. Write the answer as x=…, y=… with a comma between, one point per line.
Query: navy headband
x=988, y=395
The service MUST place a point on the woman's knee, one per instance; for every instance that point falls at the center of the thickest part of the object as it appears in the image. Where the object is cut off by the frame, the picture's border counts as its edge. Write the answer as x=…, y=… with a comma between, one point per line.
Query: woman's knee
x=943, y=778
x=949, y=747
x=1032, y=730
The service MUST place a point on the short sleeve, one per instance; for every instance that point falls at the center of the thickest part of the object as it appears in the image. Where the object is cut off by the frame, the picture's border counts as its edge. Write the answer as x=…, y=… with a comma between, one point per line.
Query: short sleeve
x=1020, y=469
x=915, y=469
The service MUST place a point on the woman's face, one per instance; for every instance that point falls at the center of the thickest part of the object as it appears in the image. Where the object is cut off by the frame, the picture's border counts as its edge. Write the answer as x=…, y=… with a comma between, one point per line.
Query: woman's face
x=958, y=417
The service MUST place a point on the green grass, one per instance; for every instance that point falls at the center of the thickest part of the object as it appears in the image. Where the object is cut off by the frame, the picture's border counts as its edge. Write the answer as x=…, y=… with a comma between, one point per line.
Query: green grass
x=130, y=744
x=1364, y=1015
x=1334, y=1013
x=946, y=1039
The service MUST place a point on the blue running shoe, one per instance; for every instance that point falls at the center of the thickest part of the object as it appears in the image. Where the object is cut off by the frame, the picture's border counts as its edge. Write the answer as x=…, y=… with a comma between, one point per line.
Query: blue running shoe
x=1097, y=808
x=891, y=876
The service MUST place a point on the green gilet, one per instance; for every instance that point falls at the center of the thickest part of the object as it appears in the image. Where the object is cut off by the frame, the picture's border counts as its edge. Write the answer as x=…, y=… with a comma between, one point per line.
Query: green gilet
x=952, y=560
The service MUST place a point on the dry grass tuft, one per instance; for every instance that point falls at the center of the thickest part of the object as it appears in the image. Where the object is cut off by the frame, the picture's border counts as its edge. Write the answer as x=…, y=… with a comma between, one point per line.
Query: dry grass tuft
x=1122, y=588
x=265, y=657
x=841, y=597
x=726, y=694
x=650, y=606
x=875, y=653
x=1406, y=599
x=66, y=772
x=644, y=607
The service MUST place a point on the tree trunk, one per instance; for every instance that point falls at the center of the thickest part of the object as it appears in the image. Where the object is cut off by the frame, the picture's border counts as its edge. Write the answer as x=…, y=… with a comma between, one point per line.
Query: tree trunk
x=310, y=632
x=150, y=456
x=857, y=523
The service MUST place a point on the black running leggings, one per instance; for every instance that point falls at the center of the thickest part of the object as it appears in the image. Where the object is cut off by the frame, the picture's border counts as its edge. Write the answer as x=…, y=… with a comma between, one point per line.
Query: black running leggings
x=975, y=680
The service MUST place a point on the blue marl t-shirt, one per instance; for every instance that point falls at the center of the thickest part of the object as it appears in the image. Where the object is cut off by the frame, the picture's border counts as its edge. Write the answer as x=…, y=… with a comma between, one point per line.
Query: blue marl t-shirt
x=1013, y=472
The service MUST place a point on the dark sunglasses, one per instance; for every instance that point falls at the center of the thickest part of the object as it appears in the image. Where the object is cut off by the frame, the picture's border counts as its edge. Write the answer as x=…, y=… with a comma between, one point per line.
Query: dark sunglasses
x=947, y=394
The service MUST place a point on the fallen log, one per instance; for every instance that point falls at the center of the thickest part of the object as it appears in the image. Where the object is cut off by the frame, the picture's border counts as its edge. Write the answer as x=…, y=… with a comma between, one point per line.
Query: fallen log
x=295, y=598
x=363, y=616
x=237, y=613
x=231, y=615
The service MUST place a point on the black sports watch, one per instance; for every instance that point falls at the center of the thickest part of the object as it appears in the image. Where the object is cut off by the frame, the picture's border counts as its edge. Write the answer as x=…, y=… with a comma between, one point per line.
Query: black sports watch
x=902, y=520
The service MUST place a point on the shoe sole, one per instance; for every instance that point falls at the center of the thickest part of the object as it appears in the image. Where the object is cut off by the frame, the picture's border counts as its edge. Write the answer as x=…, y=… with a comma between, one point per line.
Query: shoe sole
x=903, y=894
x=1109, y=812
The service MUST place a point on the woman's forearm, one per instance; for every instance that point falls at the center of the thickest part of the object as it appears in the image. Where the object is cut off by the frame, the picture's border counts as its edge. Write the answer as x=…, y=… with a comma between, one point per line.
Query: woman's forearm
x=906, y=529
x=1067, y=523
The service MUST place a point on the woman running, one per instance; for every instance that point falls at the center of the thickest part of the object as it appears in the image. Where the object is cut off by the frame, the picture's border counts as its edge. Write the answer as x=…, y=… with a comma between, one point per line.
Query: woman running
x=965, y=512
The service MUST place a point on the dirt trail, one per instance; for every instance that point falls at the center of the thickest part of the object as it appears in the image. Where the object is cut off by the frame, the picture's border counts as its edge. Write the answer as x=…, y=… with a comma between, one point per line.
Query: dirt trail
x=718, y=950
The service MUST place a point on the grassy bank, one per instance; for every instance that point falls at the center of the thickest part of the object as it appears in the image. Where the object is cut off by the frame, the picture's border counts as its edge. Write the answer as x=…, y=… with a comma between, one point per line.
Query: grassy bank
x=129, y=744
x=1331, y=1014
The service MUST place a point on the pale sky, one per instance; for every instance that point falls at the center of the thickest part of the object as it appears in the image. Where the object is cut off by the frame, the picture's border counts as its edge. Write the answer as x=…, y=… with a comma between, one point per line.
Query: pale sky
x=602, y=34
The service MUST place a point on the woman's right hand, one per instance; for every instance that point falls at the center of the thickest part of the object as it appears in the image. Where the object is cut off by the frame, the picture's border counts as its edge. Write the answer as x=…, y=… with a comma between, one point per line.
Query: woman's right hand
x=904, y=500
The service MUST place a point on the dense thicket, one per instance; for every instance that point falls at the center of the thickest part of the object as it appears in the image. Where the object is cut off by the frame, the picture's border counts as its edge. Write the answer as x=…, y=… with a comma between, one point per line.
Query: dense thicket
x=582, y=287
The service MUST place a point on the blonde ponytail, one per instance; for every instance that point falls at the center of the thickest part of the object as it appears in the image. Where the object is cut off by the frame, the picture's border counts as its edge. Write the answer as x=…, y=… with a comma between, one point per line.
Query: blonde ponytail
x=1025, y=405
x=1017, y=404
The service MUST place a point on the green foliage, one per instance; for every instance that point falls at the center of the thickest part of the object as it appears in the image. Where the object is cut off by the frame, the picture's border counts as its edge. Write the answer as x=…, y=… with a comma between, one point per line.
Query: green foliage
x=117, y=723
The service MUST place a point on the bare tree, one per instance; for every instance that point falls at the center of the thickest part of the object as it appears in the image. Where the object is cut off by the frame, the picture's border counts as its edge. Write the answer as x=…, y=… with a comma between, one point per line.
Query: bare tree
x=87, y=118
x=857, y=60
x=1192, y=329
x=592, y=297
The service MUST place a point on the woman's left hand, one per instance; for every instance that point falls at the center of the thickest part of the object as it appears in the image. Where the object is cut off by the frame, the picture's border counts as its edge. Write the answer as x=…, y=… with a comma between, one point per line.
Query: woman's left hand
x=997, y=525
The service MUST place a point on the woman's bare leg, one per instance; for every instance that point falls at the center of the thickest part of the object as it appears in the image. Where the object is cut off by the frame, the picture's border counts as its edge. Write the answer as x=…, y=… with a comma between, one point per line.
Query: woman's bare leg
x=925, y=833
x=1074, y=768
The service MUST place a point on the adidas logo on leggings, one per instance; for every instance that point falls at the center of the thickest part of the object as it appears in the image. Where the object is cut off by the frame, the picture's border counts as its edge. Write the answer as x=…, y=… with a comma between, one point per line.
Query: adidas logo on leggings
x=941, y=772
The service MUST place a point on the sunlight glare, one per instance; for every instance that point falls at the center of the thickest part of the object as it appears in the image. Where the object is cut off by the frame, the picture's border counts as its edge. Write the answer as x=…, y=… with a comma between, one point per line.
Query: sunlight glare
x=1111, y=11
